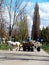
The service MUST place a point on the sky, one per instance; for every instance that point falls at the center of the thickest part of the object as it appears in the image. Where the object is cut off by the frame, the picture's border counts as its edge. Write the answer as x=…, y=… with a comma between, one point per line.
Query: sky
x=39, y=1
x=43, y=11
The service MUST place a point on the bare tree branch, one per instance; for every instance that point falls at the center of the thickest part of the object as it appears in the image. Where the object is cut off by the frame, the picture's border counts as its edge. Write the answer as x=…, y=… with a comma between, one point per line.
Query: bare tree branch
x=20, y=12
x=16, y=7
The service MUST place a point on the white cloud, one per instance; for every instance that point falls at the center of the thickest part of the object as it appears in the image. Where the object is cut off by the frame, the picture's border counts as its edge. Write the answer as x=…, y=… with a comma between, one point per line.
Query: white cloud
x=44, y=6
x=29, y=21
x=44, y=12
x=41, y=26
x=5, y=14
x=29, y=4
x=22, y=5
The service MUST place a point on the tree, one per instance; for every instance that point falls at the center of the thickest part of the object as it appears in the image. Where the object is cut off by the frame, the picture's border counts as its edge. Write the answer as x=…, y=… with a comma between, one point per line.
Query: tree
x=36, y=23
x=1, y=1
x=26, y=27
x=2, y=21
x=22, y=29
x=16, y=9
x=44, y=33
x=2, y=28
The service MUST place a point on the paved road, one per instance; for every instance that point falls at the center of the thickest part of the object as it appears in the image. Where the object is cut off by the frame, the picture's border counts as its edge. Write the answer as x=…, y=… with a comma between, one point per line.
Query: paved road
x=24, y=58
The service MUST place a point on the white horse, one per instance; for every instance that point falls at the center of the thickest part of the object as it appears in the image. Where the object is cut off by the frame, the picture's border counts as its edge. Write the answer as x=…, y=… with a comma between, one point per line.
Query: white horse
x=14, y=43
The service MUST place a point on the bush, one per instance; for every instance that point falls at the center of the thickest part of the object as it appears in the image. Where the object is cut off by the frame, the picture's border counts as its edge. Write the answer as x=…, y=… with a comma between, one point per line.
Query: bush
x=4, y=47
x=46, y=47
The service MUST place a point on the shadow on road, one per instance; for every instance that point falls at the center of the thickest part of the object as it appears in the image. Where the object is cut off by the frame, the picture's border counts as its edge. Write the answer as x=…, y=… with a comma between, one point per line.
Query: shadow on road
x=26, y=57
x=19, y=54
x=8, y=58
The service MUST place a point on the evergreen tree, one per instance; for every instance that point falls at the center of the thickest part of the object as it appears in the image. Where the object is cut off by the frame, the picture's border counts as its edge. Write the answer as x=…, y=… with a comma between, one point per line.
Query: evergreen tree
x=44, y=33
x=36, y=23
